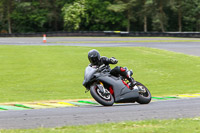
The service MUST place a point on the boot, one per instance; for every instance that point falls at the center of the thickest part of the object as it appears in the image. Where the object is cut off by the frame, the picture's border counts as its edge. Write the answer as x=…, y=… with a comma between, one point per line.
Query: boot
x=132, y=82
x=130, y=73
x=130, y=79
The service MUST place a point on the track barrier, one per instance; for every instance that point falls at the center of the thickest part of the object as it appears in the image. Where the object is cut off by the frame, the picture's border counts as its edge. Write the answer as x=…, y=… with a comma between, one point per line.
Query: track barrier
x=105, y=34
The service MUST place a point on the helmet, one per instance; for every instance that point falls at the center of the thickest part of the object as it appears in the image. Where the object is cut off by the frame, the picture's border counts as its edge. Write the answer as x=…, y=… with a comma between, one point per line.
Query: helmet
x=94, y=57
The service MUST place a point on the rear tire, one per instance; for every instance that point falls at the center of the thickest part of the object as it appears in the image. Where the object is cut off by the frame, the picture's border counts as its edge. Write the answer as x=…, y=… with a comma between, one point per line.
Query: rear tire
x=144, y=98
x=103, y=100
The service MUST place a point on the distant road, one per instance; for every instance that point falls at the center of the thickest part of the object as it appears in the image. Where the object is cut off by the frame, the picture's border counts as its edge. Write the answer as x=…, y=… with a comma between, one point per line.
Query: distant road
x=189, y=46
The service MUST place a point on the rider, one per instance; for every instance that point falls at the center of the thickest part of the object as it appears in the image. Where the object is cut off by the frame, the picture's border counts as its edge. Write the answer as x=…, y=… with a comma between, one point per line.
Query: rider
x=96, y=60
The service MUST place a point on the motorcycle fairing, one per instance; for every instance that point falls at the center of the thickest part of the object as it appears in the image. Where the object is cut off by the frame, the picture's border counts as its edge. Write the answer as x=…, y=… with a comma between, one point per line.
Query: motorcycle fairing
x=89, y=71
x=121, y=92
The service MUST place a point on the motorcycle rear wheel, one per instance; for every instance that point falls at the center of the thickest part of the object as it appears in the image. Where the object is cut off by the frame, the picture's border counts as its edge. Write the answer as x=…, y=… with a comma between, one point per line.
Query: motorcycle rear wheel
x=144, y=97
x=100, y=98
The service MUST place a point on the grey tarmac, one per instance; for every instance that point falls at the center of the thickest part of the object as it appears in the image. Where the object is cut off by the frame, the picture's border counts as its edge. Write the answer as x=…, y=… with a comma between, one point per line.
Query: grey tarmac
x=189, y=46
x=57, y=117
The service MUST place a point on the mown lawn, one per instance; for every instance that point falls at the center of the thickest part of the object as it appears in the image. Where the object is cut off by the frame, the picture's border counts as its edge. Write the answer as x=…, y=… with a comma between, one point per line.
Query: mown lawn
x=191, y=125
x=32, y=73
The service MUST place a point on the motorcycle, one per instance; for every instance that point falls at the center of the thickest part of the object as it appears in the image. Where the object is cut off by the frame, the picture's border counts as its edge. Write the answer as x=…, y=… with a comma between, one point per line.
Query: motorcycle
x=107, y=89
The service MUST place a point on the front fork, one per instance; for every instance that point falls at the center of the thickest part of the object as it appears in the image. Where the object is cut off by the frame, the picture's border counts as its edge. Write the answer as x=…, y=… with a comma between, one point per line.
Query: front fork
x=101, y=87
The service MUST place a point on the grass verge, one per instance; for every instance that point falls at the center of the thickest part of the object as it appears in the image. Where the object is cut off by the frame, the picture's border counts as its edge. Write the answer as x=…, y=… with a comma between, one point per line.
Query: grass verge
x=30, y=73
x=191, y=125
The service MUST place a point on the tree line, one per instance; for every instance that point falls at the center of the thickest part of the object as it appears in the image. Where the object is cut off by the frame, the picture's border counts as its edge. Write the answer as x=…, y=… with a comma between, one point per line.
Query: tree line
x=27, y=16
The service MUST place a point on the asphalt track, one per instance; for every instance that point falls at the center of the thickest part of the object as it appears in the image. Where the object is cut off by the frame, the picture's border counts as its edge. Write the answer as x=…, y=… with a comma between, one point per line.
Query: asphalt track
x=189, y=46
x=56, y=117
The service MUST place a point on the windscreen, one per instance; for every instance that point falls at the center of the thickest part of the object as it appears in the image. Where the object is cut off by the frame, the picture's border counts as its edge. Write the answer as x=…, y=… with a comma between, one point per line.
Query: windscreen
x=89, y=71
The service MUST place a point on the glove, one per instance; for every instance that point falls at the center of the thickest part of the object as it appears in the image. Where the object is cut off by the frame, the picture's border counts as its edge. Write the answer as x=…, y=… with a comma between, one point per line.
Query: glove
x=113, y=60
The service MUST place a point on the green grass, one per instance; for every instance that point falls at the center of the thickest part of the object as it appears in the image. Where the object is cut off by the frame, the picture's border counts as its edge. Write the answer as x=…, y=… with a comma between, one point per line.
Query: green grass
x=191, y=125
x=32, y=73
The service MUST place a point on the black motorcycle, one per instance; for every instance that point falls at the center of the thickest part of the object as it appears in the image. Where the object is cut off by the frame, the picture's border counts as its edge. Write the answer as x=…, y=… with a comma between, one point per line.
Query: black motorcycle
x=107, y=89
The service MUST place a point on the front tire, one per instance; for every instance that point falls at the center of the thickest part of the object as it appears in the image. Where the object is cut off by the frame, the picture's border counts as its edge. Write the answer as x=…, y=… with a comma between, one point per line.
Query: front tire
x=100, y=98
x=145, y=95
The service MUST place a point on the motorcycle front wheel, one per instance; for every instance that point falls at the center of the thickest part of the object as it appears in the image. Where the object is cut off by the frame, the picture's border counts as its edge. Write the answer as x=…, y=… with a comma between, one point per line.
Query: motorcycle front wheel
x=106, y=100
x=144, y=94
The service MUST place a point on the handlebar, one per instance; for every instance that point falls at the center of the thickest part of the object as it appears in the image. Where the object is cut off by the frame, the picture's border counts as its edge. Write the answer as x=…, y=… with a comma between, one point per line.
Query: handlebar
x=102, y=67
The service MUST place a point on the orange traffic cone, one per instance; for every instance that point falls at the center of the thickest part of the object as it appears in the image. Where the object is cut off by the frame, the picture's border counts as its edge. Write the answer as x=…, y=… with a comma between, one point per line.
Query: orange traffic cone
x=44, y=38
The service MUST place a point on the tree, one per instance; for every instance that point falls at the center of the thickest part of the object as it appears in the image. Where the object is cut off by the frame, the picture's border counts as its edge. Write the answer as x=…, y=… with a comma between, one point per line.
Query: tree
x=54, y=15
x=145, y=11
x=159, y=16
x=178, y=7
x=1, y=17
x=100, y=18
x=127, y=7
x=191, y=17
x=73, y=14
x=22, y=16
x=30, y=17
x=6, y=10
